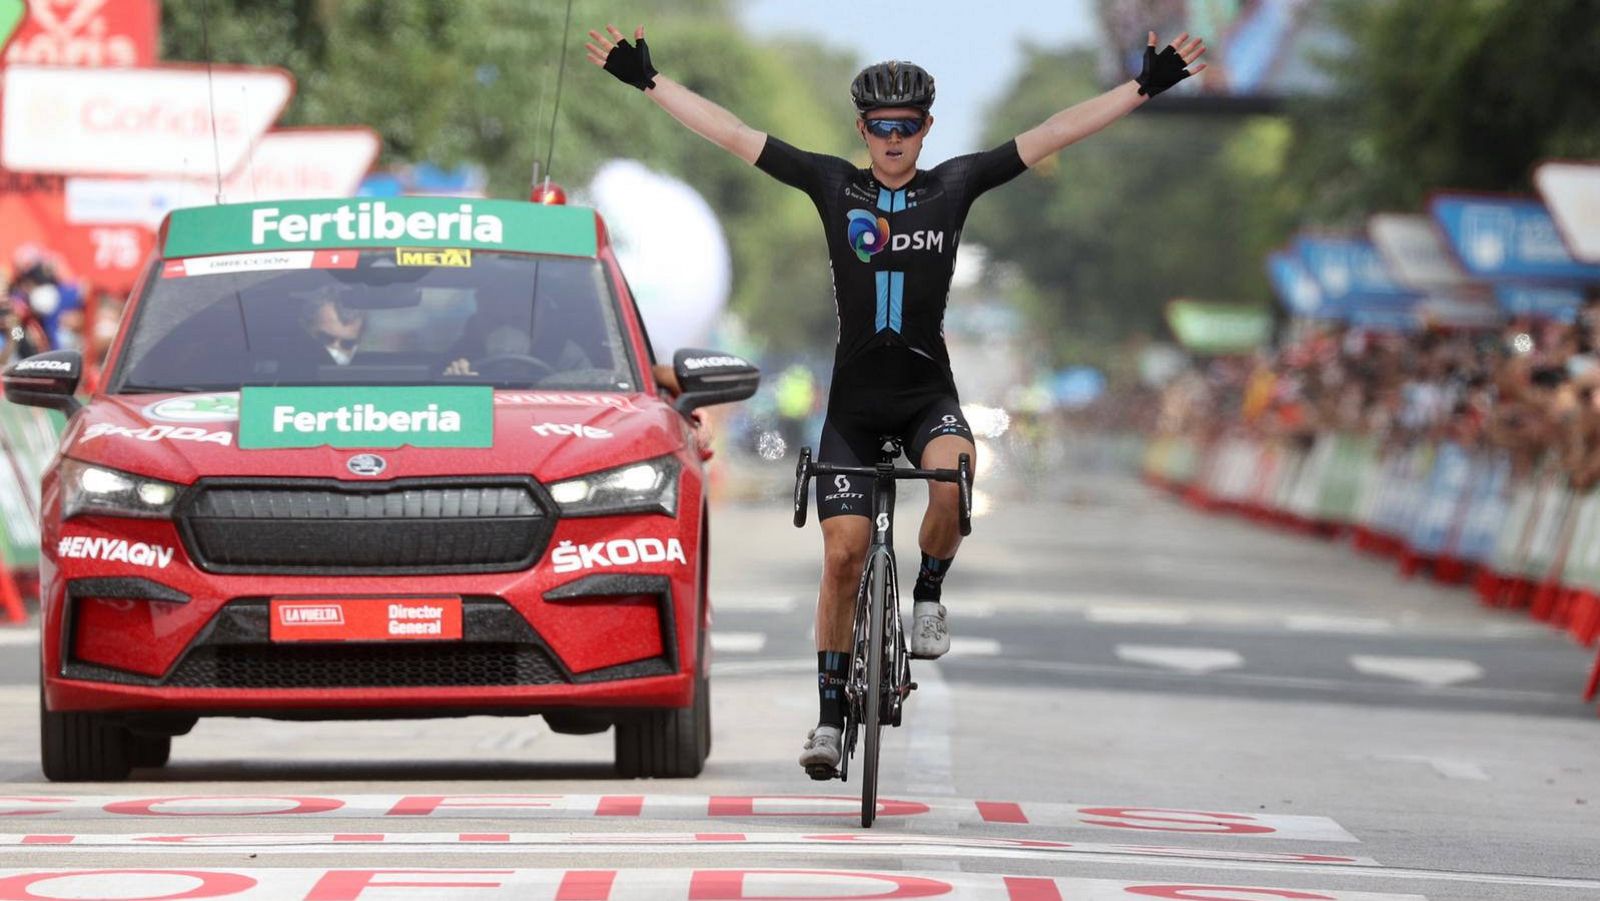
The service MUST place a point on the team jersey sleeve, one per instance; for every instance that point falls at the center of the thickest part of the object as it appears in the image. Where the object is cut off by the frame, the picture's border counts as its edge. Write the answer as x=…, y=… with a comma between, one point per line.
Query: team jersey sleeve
x=798, y=168
x=975, y=173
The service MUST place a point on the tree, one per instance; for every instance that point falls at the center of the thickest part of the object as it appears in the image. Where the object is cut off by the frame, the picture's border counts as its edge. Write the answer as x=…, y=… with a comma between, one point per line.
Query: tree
x=1467, y=95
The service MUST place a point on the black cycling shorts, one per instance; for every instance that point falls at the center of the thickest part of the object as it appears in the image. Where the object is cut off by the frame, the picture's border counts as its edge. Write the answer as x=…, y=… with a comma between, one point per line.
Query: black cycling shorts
x=897, y=392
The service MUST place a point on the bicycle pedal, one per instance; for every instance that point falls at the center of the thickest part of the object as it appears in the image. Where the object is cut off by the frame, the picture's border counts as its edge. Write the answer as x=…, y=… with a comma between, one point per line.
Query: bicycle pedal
x=822, y=773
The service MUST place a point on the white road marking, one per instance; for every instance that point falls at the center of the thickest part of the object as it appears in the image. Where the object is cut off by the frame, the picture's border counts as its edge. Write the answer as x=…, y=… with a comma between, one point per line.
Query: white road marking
x=1196, y=661
x=1164, y=616
x=740, y=601
x=613, y=883
x=1448, y=767
x=973, y=647
x=1433, y=672
x=22, y=634
x=1301, y=682
x=738, y=642
x=1339, y=625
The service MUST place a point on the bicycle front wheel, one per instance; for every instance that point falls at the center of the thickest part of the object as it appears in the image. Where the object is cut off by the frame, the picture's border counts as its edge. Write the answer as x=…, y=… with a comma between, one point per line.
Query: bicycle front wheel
x=872, y=704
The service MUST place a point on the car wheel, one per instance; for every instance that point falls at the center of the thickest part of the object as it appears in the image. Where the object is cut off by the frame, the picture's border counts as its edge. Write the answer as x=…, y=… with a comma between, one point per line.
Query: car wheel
x=146, y=750
x=83, y=747
x=666, y=743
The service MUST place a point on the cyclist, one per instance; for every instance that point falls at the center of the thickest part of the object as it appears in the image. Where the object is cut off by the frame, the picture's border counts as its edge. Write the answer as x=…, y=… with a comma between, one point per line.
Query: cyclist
x=892, y=231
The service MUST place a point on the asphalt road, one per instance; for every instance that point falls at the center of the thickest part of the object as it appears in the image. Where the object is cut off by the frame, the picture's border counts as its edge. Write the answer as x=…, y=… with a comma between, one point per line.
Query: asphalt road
x=1143, y=702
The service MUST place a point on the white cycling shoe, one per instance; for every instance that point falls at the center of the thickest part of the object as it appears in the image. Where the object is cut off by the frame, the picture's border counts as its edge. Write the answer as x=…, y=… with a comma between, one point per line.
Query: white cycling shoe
x=930, y=634
x=820, y=756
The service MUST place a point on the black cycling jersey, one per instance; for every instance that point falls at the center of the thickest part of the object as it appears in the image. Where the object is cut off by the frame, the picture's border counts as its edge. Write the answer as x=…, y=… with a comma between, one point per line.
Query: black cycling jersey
x=892, y=251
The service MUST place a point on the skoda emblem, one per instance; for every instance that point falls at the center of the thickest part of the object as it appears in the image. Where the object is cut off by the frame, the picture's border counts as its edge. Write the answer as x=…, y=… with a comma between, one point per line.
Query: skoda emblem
x=366, y=464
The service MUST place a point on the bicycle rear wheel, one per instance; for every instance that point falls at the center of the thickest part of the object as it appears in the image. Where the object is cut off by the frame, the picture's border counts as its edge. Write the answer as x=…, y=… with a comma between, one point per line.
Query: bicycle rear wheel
x=872, y=704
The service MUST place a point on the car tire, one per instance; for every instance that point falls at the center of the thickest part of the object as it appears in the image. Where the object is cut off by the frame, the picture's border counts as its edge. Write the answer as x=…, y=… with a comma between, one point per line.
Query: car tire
x=146, y=750
x=83, y=747
x=669, y=744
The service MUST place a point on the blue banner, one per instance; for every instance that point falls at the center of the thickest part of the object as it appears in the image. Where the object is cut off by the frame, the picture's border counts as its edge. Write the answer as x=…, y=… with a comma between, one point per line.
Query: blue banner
x=1297, y=290
x=1545, y=301
x=1507, y=237
x=1350, y=271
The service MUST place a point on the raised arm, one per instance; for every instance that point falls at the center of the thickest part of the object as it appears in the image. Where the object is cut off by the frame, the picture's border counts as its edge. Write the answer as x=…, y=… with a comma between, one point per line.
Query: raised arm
x=630, y=63
x=1161, y=71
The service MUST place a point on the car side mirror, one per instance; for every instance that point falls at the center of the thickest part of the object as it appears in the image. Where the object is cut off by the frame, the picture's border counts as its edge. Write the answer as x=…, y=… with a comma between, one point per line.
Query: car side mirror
x=708, y=377
x=46, y=380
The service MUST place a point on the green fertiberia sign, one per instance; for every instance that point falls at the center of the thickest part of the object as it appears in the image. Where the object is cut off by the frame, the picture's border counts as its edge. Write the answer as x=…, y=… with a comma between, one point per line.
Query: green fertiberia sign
x=390, y=222
x=366, y=417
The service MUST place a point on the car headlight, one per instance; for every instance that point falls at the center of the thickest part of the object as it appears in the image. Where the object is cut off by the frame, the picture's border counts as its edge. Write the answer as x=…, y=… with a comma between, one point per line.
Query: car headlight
x=650, y=486
x=87, y=488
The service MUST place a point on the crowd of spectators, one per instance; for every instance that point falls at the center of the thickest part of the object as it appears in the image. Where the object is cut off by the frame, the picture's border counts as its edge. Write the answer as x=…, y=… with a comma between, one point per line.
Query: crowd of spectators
x=1528, y=389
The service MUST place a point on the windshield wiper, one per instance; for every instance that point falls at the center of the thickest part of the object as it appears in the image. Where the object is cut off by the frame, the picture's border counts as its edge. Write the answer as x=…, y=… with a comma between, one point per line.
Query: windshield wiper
x=170, y=389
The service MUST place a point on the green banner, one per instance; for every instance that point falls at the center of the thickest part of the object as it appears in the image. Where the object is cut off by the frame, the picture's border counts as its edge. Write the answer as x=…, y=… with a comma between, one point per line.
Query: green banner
x=1217, y=328
x=11, y=12
x=366, y=417
x=389, y=222
x=28, y=440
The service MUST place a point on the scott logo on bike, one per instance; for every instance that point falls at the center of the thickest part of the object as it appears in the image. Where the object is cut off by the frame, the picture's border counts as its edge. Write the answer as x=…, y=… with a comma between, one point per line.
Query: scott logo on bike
x=883, y=522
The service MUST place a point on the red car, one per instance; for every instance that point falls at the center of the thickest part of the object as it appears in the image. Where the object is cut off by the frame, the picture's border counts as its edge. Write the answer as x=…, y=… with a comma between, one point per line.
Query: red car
x=377, y=458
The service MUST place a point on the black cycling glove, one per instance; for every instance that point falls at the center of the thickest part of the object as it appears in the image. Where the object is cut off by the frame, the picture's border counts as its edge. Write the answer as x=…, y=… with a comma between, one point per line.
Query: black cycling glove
x=1159, y=73
x=631, y=64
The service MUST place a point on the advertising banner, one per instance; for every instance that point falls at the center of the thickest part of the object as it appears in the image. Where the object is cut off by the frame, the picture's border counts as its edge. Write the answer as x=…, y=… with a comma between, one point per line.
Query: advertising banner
x=1296, y=288
x=1415, y=251
x=396, y=222
x=1571, y=191
x=81, y=32
x=1507, y=238
x=1219, y=328
x=366, y=417
x=1544, y=301
x=159, y=120
x=28, y=439
x=33, y=210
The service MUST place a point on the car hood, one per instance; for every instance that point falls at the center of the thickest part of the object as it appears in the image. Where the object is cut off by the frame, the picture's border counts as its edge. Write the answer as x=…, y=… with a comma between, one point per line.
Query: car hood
x=550, y=435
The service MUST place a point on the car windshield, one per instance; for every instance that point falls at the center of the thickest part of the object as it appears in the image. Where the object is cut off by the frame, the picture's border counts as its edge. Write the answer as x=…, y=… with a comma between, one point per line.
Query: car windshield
x=376, y=317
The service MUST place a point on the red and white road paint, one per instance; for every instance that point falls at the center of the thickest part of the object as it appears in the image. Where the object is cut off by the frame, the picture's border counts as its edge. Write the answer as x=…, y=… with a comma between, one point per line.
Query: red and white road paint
x=523, y=843
x=774, y=809
x=346, y=884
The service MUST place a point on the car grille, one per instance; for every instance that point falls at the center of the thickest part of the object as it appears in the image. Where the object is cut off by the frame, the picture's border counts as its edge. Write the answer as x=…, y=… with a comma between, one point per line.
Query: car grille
x=331, y=527
x=432, y=664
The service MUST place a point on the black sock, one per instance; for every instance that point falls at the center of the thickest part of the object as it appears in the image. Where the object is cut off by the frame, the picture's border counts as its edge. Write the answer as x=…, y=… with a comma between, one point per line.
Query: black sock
x=930, y=578
x=832, y=668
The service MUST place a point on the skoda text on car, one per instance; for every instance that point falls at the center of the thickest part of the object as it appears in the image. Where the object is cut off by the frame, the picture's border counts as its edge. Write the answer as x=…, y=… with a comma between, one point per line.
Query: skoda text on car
x=376, y=458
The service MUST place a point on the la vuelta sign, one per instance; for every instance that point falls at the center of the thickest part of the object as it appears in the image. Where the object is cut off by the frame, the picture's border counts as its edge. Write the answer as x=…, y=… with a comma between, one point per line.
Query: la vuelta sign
x=84, y=33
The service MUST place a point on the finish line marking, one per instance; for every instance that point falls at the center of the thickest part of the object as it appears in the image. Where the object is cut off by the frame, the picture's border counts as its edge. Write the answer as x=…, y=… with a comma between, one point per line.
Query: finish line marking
x=761, y=808
x=568, y=843
x=602, y=884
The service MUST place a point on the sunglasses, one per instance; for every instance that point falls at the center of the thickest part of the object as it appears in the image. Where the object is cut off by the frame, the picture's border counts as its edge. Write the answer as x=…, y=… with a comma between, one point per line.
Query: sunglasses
x=883, y=128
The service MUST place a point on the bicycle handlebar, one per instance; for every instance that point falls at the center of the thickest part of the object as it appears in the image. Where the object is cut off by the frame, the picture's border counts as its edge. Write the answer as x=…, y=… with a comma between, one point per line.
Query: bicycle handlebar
x=805, y=469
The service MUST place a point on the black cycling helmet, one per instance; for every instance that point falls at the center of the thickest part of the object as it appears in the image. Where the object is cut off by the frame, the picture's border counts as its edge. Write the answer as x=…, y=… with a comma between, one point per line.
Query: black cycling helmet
x=892, y=83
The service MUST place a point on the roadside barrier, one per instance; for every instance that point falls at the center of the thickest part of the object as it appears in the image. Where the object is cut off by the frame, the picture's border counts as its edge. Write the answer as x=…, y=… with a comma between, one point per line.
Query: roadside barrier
x=1522, y=541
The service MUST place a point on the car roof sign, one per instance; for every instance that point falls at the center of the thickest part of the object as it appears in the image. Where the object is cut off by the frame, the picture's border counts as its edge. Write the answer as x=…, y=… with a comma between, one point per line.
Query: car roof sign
x=381, y=222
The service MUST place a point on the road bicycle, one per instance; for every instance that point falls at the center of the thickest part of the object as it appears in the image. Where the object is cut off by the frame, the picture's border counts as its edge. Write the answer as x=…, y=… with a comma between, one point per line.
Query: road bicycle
x=880, y=668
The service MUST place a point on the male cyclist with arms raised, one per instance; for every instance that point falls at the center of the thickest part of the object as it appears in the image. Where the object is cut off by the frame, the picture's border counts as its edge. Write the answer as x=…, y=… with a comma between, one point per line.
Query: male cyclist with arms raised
x=892, y=231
